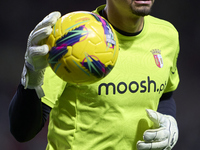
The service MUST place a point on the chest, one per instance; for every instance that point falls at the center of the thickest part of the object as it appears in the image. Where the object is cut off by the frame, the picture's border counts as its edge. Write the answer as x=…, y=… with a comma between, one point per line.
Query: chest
x=139, y=76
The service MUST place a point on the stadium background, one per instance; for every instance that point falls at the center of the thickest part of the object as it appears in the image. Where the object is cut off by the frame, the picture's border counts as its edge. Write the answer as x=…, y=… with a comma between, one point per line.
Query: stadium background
x=18, y=18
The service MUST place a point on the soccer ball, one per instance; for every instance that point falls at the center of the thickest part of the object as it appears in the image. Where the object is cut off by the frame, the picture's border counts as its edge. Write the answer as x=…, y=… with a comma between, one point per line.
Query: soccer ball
x=83, y=47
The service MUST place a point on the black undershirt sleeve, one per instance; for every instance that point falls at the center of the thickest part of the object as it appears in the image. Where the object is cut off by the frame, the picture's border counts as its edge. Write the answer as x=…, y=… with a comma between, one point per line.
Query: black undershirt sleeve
x=167, y=104
x=27, y=114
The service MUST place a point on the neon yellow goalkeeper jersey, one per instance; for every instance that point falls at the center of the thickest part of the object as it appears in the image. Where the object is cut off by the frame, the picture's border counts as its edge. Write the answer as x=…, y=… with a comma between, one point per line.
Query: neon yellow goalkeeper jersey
x=110, y=114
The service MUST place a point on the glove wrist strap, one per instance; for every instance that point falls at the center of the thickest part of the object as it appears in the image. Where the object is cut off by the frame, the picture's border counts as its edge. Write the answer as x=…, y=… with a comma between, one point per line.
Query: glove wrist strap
x=33, y=80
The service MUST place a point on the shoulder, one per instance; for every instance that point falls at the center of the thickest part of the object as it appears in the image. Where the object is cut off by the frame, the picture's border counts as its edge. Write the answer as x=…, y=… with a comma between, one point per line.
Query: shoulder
x=162, y=29
x=160, y=24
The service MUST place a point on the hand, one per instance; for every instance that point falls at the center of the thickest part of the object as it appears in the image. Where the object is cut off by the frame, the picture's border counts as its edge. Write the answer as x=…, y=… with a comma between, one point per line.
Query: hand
x=35, y=56
x=164, y=135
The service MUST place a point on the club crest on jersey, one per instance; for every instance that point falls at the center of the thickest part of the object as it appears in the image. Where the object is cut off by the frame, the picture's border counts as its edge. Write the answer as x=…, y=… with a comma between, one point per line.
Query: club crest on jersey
x=157, y=57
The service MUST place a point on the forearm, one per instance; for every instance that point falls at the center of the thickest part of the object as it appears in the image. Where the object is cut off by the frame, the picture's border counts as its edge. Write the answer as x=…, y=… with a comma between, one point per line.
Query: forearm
x=167, y=105
x=25, y=114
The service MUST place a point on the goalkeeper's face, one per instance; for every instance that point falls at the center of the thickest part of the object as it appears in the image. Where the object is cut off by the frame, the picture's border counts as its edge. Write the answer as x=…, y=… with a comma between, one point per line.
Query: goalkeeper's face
x=136, y=7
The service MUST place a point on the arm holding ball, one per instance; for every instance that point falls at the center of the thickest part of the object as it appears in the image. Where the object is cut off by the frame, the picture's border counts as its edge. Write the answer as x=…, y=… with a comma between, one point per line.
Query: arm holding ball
x=27, y=113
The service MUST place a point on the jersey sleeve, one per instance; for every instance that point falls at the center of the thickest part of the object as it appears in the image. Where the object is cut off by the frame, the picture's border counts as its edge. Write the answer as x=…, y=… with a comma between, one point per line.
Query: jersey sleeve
x=53, y=87
x=174, y=76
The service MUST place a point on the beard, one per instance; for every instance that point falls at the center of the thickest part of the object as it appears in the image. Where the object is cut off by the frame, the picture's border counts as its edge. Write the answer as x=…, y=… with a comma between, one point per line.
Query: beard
x=141, y=10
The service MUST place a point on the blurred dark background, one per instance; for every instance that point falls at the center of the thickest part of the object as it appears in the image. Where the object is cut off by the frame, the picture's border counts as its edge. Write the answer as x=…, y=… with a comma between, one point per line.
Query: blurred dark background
x=18, y=18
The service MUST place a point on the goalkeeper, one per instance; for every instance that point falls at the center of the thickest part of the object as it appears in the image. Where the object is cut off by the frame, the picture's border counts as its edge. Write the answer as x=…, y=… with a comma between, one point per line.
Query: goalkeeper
x=130, y=109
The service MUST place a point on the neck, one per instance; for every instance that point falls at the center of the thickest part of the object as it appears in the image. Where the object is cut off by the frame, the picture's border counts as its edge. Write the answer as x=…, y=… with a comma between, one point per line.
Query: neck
x=123, y=20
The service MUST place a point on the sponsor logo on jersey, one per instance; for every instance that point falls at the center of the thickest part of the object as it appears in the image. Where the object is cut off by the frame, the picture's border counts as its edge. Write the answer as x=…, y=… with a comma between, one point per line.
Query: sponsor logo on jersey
x=143, y=86
x=157, y=57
